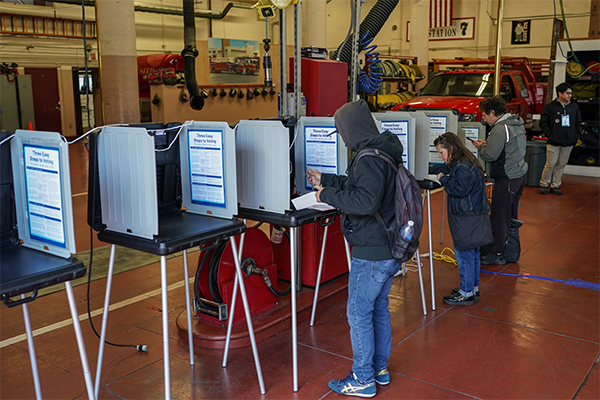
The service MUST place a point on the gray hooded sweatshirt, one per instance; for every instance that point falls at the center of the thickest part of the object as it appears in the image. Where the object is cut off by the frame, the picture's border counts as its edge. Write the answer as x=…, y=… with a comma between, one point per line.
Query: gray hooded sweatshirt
x=504, y=151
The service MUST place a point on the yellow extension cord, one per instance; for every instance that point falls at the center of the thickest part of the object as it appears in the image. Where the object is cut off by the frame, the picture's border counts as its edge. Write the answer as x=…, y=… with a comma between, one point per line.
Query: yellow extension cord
x=441, y=256
x=445, y=258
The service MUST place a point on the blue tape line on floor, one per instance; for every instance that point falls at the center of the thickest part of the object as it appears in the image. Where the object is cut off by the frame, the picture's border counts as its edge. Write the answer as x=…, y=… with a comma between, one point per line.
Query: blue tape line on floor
x=571, y=282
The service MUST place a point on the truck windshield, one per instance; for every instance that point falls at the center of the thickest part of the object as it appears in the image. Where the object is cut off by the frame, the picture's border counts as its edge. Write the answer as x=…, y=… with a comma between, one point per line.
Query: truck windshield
x=460, y=84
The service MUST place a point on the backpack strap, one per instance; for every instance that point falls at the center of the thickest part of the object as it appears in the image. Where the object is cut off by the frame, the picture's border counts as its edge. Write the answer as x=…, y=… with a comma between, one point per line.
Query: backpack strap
x=379, y=154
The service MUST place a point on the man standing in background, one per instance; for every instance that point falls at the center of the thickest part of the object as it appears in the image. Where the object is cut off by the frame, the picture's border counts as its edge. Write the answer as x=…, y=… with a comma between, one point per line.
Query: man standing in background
x=560, y=123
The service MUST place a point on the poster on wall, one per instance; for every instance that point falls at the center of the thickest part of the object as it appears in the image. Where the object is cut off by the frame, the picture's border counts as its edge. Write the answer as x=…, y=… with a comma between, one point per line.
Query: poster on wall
x=520, y=32
x=233, y=61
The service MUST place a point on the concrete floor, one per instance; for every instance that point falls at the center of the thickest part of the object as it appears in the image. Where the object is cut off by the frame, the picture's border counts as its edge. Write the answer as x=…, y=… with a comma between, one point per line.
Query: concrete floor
x=528, y=338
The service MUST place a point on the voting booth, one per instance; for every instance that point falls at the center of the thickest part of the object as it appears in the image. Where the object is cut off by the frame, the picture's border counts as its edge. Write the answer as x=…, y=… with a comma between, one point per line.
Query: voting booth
x=319, y=146
x=39, y=253
x=470, y=131
x=123, y=168
x=263, y=165
x=440, y=121
x=40, y=162
x=208, y=168
x=412, y=130
x=272, y=157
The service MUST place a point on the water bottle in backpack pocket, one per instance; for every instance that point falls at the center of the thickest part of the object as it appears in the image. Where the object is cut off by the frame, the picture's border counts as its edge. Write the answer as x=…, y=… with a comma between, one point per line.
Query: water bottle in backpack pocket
x=402, y=239
x=405, y=229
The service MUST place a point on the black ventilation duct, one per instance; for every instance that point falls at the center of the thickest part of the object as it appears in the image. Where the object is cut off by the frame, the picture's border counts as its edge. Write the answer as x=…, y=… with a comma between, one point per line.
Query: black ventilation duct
x=189, y=54
x=372, y=24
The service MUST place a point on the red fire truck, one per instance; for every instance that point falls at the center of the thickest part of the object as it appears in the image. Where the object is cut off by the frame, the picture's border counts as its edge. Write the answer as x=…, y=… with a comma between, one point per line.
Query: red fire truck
x=466, y=82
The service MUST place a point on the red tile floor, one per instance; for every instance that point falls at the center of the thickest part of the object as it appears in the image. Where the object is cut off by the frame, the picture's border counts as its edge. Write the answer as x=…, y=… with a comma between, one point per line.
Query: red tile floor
x=528, y=338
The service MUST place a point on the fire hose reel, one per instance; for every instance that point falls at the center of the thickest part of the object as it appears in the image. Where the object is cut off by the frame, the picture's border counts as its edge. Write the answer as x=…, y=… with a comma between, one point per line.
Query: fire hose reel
x=214, y=283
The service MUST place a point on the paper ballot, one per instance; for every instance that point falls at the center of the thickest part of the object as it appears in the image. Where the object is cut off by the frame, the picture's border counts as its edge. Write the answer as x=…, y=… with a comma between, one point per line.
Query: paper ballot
x=433, y=178
x=309, y=200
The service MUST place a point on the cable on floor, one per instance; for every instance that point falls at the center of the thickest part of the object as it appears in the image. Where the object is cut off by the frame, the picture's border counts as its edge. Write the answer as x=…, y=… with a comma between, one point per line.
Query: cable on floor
x=571, y=282
x=444, y=257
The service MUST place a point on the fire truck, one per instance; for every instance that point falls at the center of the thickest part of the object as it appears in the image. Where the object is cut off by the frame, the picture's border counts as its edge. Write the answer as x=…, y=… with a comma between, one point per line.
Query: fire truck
x=462, y=83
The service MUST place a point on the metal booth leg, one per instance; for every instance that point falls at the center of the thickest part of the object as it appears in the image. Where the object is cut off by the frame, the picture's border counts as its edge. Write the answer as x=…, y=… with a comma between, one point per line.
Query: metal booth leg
x=31, y=347
x=443, y=202
x=186, y=275
x=430, y=249
x=165, y=324
x=231, y=310
x=293, y=269
x=109, y=276
x=348, y=255
x=316, y=296
x=421, y=283
x=87, y=375
x=238, y=271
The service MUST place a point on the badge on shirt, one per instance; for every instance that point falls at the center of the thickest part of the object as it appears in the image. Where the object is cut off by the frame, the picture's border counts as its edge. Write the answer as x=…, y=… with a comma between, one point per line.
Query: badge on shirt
x=565, y=121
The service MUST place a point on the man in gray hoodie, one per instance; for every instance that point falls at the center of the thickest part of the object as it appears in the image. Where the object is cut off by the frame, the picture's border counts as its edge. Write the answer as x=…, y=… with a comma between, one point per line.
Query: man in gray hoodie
x=504, y=153
x=368, y=188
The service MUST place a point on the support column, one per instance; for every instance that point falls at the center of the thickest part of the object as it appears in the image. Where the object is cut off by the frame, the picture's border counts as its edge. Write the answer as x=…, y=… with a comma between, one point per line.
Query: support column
x=314, y=24
x=419, y=34
x=498, y=52
x=118, y=61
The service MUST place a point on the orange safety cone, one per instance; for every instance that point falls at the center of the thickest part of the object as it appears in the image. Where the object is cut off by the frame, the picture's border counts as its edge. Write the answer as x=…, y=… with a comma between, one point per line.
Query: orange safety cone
x=30, y=126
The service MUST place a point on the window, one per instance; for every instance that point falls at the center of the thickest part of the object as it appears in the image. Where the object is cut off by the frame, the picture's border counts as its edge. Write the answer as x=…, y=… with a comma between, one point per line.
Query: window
x=507, y=89
x=523, y=91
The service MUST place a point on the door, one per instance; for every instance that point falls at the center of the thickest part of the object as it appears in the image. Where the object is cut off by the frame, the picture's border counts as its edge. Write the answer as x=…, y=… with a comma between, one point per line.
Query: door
x=508, y=92
x=46, y=99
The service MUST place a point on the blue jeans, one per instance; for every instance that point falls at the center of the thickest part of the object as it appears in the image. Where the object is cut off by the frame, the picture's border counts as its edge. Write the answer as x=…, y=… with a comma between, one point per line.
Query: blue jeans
x=468, y=268
x=369, y=284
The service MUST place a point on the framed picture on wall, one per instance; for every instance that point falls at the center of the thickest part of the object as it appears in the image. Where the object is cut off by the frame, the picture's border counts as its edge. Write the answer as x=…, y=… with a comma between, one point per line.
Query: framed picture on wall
x=520, y=32
x=233, y=61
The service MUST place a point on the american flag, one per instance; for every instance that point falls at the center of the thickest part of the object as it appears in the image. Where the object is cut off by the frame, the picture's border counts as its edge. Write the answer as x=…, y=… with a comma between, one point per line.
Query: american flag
x=440, y=13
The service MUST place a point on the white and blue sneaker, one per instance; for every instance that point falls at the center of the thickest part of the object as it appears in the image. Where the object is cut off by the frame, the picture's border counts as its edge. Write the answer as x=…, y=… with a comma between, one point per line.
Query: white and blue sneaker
x=382, y=377
x=351, y=386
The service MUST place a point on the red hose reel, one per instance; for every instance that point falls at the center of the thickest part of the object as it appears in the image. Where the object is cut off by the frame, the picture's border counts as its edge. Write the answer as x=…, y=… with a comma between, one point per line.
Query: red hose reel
x=215, y=276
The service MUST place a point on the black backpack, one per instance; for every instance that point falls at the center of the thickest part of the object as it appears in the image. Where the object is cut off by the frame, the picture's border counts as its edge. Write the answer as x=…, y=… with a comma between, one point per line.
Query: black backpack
x=408, y=206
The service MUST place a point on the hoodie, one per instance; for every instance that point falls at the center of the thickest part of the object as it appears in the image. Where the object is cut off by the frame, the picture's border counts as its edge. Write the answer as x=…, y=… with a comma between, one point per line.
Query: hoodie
x=369, y=185
x=505, y=149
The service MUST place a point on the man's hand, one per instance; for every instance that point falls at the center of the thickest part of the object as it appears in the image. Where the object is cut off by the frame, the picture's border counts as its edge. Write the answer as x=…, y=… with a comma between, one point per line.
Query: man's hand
x=314, y=177
x=477, y=143
x=318, y=193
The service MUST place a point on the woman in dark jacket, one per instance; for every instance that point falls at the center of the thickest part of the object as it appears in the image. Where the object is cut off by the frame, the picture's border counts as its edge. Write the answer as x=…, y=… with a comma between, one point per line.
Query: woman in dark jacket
x=467, y=214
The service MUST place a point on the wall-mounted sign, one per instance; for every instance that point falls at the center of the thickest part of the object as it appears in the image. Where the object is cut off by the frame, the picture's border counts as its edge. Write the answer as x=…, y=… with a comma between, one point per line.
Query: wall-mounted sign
x=461, y=29
x=520, y=32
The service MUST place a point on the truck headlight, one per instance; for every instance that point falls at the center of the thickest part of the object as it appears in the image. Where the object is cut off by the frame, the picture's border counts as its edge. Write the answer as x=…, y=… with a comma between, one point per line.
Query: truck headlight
x=467, y=117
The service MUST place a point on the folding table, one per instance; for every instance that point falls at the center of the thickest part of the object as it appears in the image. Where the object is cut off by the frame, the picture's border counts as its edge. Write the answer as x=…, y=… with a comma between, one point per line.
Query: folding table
x=26, y=270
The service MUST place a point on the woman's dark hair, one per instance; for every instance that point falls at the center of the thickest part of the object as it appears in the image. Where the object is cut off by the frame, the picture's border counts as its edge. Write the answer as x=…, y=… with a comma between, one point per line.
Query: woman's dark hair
x=496, y=104
x=456, y=149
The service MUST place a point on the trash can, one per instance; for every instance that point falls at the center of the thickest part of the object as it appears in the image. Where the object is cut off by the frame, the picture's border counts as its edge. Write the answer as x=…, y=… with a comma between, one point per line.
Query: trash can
x=535, y=156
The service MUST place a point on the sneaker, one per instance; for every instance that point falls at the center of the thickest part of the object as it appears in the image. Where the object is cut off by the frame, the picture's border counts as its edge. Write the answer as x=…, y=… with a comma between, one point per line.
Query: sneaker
x=351, y=386
x=382, y=377
x=556, y=191
x=457, y=299
x=543, y=190
x=475, y=296
x=492, y=258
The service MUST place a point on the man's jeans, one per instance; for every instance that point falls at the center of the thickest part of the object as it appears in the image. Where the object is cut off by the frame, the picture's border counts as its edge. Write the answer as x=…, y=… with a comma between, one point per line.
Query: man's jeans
x=468, y=269
x=369, y=284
